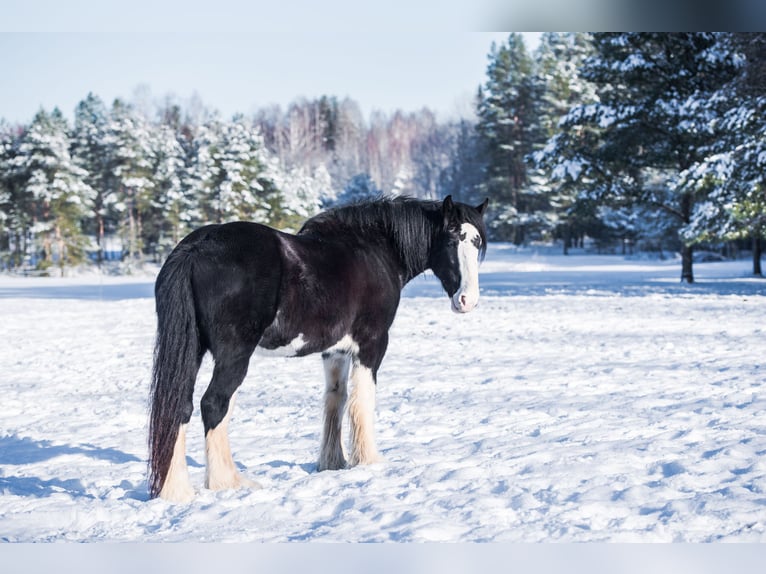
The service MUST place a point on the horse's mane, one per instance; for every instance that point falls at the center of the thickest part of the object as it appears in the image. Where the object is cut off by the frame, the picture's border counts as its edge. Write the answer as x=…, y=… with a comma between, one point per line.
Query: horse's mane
x=411, y=224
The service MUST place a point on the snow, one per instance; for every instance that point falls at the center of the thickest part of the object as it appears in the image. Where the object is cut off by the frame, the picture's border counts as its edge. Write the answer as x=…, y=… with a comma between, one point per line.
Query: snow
x=587, y=398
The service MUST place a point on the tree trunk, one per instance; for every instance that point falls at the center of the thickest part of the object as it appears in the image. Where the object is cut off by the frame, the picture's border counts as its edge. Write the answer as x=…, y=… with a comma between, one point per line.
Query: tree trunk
x=139, y=236
x=757, y=247
x=61, y=247
x=567, y=238
x=100, y=238
x=687, y=273
x=518, y=235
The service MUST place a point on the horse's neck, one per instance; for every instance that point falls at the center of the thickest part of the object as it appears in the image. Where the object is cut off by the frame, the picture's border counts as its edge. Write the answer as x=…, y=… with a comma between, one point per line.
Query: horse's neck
x=408, y=235
x=413, y=242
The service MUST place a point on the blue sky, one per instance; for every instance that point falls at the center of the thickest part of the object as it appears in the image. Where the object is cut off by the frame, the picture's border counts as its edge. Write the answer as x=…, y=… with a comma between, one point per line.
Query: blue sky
x=240, y=55
x=235, y=72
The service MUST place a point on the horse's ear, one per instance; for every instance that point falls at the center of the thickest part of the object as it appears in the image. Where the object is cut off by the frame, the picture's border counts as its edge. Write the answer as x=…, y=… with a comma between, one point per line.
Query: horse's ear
x=483, y=207
x=447, y=208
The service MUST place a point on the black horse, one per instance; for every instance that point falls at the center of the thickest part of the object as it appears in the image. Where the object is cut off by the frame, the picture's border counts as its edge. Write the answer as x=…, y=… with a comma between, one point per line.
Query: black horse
x=333, y=288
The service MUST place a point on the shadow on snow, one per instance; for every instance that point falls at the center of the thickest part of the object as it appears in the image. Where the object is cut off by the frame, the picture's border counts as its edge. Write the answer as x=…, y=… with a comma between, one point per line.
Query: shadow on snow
x=115, y=292
x=16, y=450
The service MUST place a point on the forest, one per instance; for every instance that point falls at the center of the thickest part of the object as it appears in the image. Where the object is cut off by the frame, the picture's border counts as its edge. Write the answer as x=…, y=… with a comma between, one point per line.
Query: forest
x=615, y=142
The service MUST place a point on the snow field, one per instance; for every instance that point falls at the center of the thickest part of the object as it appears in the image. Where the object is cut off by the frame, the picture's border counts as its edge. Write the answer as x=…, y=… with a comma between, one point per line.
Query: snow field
x=576, y=403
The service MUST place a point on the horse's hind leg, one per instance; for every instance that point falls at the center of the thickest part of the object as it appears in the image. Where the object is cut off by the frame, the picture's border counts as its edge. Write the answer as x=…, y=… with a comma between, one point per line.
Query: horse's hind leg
x=177, y=486
x=217, y=405
x=336, y=368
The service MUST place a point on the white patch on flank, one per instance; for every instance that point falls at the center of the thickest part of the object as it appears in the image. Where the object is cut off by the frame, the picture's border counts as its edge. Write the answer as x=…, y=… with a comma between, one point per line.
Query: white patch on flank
x=221, y=472
x=177, y=487
x=465, y=299
x=290, y=350
x=361, y=414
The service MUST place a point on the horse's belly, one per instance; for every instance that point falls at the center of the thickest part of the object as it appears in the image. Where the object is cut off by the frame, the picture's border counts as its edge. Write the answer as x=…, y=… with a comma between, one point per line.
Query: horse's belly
x=292, y=348
x=300, y=346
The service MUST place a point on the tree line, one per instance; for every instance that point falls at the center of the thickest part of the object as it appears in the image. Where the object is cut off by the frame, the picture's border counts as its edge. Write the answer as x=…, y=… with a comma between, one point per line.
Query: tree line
x=653, y=140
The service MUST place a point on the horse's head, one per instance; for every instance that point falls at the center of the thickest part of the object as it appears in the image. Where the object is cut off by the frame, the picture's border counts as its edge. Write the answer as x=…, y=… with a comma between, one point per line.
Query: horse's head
x=455, y=255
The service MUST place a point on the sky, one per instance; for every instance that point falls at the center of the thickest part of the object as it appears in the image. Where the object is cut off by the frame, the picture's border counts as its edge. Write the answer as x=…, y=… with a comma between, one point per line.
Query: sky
x=238, y=56
x=242, y=72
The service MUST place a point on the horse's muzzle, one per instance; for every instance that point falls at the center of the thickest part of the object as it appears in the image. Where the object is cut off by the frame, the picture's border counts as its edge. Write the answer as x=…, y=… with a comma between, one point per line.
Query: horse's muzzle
x=462, y=303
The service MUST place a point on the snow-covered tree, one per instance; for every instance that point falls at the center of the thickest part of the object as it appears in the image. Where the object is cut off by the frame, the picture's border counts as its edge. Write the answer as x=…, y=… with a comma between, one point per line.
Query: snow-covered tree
x=303, y=195
x=732, y=177
x=56, y=188
x=92, y=152
x=508, y=124
x=653, y=116
x=173, y=200
x=129, y=138
x=15, y=203
x=238, y=174
x=559, y=59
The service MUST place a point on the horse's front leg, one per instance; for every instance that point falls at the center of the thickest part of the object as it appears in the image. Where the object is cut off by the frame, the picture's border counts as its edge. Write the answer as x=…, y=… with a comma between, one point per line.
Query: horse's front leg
x=361, y=410
x=336, y=370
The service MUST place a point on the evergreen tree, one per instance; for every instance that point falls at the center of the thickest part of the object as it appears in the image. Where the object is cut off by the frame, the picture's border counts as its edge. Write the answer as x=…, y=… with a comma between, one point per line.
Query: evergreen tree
x=732, y=175
x=239, y=175
x=509, y=128
x=559, y=58
x=55, y=189
x=173, y=200
x=649, y=121
x=92, y=152
x=302, y=193
x=130, y=148
x=15, y=210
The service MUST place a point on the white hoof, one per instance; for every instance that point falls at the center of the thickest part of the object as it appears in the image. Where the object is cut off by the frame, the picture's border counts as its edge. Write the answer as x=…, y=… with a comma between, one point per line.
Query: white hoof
x=178, y=493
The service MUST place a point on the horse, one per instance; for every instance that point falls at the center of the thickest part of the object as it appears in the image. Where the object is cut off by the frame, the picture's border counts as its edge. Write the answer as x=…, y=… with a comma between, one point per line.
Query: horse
x=333, y=288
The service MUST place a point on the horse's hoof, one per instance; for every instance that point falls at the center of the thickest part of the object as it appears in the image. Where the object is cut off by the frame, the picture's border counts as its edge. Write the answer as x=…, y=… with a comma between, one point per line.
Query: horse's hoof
x=177, y=495
x=331, y=465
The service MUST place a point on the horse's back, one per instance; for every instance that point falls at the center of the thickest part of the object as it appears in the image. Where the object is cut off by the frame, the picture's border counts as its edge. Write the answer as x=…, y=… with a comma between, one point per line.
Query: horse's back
x=236, y=275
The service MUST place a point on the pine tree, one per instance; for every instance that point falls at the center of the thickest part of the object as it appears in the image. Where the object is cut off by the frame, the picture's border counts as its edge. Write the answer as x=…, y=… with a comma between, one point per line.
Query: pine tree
x=15, y=203
x=130, y=142
x=509, y=128
x=56, y=188
x=174, y=202
x=649, y=122
x=238, y=175
x=732, y=176
x=559, y=58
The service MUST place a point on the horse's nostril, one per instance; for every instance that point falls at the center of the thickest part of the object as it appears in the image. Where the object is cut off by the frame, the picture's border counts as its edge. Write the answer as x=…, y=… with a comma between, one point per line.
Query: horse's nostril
x=463, y=300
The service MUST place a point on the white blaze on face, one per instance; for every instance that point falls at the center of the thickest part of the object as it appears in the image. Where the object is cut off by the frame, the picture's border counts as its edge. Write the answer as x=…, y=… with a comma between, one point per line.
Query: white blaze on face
x=468, y=257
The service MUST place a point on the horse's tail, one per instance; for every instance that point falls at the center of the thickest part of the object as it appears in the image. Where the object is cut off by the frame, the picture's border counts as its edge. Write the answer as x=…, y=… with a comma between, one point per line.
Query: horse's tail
x=176, y=362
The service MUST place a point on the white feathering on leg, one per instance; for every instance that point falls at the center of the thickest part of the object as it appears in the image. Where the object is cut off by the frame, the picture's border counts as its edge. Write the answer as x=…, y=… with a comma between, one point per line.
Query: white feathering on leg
x=177, y=487
x=361, y=411
x=221, y=472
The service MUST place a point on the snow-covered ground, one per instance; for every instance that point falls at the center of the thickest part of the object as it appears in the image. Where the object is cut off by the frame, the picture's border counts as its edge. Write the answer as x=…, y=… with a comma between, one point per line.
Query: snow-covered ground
x=587, y=398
